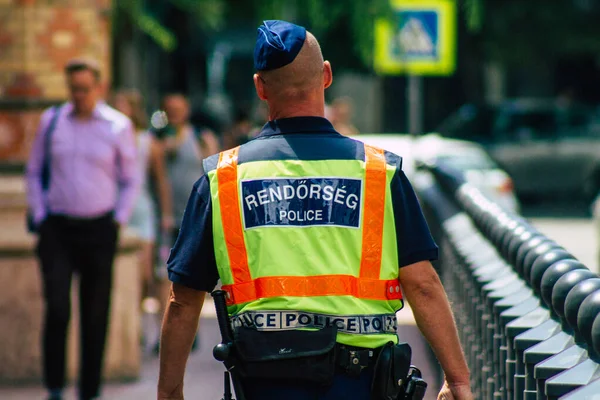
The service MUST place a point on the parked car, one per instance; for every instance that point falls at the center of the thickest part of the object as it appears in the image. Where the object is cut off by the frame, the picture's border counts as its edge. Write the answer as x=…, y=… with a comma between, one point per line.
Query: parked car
x=547, y=147
x=467, y=157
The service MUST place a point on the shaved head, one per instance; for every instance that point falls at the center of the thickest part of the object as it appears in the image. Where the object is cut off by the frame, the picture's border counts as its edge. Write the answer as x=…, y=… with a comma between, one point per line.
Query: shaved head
x=302, y=75
x=298, y=88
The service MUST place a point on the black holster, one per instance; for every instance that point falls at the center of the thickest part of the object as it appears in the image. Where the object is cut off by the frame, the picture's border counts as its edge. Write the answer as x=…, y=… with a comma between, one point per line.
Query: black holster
x=415, y=387
x=391, y=371
x=394, y=377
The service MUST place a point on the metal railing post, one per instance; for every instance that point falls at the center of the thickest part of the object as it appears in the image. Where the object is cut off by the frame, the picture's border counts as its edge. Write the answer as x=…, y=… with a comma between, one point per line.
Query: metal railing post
x=528, y=313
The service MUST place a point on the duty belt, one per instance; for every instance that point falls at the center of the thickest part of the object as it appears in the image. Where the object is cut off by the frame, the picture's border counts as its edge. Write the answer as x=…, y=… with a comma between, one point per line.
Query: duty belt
x=353, y=360
x=266, y=320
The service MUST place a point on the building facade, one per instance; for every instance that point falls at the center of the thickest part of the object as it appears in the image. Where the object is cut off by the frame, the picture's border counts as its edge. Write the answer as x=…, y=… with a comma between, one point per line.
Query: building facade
x=37, y=37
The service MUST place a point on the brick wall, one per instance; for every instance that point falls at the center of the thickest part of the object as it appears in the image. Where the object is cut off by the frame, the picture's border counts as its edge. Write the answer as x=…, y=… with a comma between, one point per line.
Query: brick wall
x=37, y=37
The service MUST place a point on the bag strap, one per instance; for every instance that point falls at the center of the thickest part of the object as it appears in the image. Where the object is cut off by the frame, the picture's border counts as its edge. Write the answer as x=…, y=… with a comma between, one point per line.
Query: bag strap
x=47, y=143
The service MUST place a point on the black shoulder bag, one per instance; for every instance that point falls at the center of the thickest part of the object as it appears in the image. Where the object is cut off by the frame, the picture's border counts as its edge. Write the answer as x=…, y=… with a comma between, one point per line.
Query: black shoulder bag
x=294, y=356
x=45, y=174
x=306, y=357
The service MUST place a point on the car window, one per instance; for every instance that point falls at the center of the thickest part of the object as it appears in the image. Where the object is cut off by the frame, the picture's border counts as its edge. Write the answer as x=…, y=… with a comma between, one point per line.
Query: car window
x=470, y=122
x=526, y=125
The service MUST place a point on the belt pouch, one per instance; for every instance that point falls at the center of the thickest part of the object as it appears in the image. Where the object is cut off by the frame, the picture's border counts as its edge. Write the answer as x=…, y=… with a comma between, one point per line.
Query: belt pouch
x=295, y=355
x=391, y=371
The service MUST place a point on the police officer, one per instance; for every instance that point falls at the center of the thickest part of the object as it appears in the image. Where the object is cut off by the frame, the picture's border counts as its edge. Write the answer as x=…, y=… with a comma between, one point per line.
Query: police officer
x=306, y=229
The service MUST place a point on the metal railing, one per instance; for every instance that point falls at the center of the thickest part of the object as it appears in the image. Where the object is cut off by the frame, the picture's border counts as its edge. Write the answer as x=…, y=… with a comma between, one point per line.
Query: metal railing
x=527, y=311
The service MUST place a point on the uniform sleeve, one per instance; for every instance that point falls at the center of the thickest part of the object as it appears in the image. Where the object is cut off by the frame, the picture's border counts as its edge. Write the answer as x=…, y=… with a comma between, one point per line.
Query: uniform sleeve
x=192, y=259
x=415, y=242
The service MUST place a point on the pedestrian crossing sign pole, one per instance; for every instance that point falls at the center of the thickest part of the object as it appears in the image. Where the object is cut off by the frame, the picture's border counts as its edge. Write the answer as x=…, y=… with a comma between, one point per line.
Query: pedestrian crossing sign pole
x=419, y=41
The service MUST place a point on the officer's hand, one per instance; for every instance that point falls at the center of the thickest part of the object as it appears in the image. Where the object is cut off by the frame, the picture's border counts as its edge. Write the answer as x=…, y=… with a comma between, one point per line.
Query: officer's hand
x=455, y=392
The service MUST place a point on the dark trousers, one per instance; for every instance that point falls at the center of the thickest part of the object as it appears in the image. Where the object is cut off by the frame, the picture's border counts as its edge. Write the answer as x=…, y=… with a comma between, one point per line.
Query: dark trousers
x=344, y=387
x=86, y=247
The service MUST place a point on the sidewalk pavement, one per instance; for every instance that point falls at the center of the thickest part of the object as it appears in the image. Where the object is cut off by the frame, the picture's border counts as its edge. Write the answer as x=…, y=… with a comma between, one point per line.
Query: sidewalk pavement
x=204, y=375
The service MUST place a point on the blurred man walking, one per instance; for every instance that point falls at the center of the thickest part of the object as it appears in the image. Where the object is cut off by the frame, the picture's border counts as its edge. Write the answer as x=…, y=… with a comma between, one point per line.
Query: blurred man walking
x=85, y=152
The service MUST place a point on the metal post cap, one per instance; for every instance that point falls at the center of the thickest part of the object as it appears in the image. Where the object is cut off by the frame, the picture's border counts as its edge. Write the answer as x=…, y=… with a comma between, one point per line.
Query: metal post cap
x=596, y=338
x=589, y=310
x=509, y=224
x=478, y=211
x=505, y=225
x=576, y=297
x=562, y=287
x=556, y=263
x=504, y=246
x=462, y=194
x=481, y=208
x=492, y=214
x=501, y=226
x=537, y=249
x=543, y=253
x=520, y=245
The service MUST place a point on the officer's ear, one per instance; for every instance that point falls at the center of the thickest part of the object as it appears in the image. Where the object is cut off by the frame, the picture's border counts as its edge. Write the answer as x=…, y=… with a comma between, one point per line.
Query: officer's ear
x=327, y=74
x=259, y=84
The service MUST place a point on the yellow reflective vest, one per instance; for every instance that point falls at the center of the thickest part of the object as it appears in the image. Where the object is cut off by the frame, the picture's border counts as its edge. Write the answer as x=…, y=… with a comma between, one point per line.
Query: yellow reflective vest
x=304, y=244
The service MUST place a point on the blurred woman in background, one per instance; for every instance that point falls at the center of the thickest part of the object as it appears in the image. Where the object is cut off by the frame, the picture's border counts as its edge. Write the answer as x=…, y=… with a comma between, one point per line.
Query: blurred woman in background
x=185, y=148
x=151, y=165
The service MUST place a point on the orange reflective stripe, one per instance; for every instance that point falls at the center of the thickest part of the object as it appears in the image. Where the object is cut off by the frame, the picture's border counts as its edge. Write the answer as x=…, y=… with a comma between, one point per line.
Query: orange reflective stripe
x=230, y=215
x=374, y=207
x=313, y=286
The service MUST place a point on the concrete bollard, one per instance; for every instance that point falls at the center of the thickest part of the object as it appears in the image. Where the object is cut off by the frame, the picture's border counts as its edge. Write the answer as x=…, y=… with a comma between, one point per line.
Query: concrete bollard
x=521, y=245
x=550, y=327
x=589, y=392
x=588, y=369
x=517, y=297
x=500, y=347
x=538, y=261
x=567, y=350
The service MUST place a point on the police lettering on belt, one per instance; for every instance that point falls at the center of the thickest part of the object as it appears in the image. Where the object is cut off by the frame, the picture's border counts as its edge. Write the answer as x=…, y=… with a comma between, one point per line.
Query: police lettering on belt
x=317, y=240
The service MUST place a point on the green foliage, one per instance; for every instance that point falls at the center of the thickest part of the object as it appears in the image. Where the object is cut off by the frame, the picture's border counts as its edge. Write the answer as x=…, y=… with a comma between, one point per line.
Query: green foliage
x=133, y=11
x=209, y=14
x=522, y=32
x=319, y=16
x=473, y=14
x=526, y=32
x=512, y=31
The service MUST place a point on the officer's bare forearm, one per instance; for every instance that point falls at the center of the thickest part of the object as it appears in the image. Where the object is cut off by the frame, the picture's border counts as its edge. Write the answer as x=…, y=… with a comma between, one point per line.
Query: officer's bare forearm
x=427, y=298
x=178, y=331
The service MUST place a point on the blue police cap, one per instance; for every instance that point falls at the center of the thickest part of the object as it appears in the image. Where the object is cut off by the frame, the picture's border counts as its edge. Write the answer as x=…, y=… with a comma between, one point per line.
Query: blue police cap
x=277, y=44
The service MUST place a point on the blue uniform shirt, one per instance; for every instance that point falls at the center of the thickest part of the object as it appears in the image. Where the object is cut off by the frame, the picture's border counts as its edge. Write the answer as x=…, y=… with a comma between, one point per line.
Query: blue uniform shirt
x=192, y=261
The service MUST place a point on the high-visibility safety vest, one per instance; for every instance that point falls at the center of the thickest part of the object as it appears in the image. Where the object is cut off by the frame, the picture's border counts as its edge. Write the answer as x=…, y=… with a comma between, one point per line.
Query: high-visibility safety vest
x=304, y=244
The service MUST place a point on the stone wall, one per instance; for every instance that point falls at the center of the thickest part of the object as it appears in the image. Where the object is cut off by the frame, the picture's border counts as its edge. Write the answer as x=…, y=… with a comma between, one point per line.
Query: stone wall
x=37, y=37
x=21, y=304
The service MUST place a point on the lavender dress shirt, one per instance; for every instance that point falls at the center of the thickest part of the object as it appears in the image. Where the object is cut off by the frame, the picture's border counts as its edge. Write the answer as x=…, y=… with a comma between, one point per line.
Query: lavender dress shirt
x=93, y=167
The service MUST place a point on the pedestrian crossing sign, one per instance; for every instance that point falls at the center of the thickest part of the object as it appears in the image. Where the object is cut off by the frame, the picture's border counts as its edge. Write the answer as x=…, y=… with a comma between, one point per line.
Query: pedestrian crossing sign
x=419, y=40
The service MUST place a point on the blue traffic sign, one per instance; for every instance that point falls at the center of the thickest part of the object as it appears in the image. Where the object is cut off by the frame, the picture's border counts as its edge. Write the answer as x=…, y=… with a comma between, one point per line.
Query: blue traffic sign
x=420, y=40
